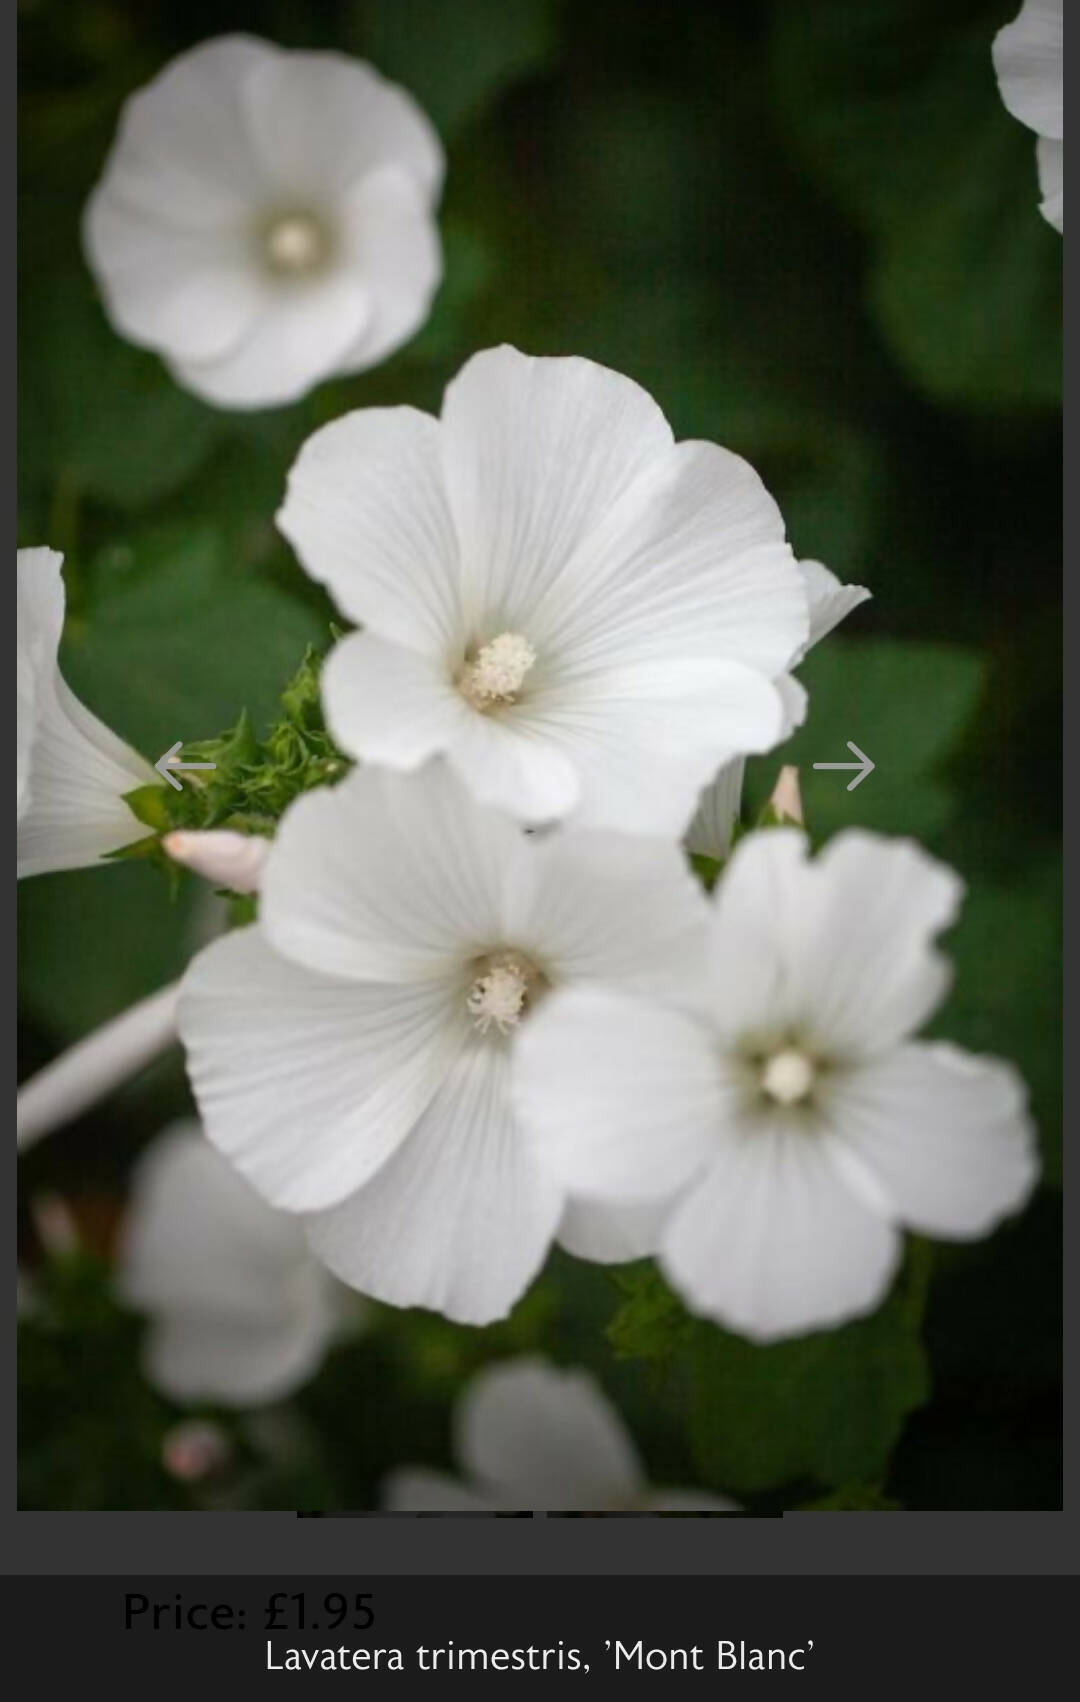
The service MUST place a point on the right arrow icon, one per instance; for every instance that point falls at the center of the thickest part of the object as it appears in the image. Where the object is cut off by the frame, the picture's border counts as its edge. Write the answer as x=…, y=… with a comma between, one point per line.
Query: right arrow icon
x=864, y=765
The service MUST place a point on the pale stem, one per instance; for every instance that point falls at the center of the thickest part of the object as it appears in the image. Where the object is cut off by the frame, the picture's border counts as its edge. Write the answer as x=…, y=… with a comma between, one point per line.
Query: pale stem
x=93, y=1067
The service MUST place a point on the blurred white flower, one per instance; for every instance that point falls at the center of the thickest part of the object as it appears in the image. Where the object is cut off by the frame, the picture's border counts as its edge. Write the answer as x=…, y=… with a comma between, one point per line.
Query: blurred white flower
x=531, y=1438
x=265, y=219
x=792, y=1121
x=1030, y=65
x=585, y=616
x=240, y=1312
x=830, y=602
x=350, y=1052
x=72, y=772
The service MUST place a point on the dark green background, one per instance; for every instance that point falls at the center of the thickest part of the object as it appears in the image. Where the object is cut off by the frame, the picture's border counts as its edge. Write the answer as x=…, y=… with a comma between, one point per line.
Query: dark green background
x=811, y=230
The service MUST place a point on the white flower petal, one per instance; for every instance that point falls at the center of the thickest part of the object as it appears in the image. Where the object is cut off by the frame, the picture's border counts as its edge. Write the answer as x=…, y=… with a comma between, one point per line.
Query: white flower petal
x=239, y=1362
x=198, y=1238
x=390, y=704
x=536, y=453
x=79, y=772
x=838, y=949
x=546, y=1440
x=414, y=1490
x=1029, y=62
x=241, y=1312
x=830, y=601
x=395, y=242
x=606, y=1233
x=192, y=291
x=608, y=908
x=645, y=740
x=72, y=772
x=710, y=832
x=39, y=621
x=870, y=968
x=945, y=1134
x=322, y=121
x=691, y=563
x=772, y=1242
x=184, y=149
x=385, y=878
x=298, y=338
x=621, y=1099
x=794, y=702
x=306, y=1083
x=460, y=1219
x=1049, y=155
x=366, y=512
x=510, y=763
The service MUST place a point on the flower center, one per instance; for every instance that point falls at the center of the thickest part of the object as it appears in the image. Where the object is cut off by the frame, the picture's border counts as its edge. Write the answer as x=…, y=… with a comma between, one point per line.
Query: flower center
x=788, y=1076
x=497, y=672
x=500, y=992
x=295, y=244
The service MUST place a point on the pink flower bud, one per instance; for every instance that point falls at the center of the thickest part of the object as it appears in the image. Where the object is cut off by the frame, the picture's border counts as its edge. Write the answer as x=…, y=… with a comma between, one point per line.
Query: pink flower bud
x=190, y=1451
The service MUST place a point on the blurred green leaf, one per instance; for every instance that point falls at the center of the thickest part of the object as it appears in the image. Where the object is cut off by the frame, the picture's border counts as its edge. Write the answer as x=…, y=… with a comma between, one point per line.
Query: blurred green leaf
x=90, y=1428
x=896, y=105
x=457, y=59
x=828, y=1407
x=93, y=941
x=905, y=705
x=108, y=419
x=171, y=645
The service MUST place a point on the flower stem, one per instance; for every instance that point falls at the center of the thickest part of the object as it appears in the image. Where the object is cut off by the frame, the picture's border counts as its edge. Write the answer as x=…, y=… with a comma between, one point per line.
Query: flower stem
x=93, y=1067
x=918, y=1268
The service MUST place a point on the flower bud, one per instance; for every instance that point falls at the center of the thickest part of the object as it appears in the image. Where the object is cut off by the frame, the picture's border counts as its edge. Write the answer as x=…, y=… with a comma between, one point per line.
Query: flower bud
x=233, y=860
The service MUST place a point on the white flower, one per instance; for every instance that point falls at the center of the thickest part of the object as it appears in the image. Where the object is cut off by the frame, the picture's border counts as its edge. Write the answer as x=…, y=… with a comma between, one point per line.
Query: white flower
x=351, y=1051
x=529, y=1437
x=1030, y=66
x=240, y=1311
x=582, y=614
x=709, y=834
x=72, y=772
x=265, y=219
x=795, y=1121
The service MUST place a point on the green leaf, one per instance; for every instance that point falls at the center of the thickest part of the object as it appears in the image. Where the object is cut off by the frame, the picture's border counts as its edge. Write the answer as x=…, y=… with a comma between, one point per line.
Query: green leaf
x=172, y=646
x=107, y=418
x=828, y=1406
x=852, y=1498
x=92, y=941
x=1006, y=999
x=458, y=59
x=895, y=103
x=652, y=1322
x=905, y=705
x=150, y=805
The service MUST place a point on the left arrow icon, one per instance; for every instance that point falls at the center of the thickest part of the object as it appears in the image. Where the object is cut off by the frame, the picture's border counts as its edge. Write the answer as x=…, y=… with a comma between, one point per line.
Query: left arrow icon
x=170, y=761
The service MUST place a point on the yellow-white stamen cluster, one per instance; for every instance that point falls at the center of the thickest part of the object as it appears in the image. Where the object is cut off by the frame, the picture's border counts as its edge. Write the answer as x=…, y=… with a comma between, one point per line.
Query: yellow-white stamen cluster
x=498, y=995
x=497, y=672
x=788, y=1076
x=295, y=244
